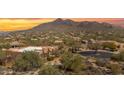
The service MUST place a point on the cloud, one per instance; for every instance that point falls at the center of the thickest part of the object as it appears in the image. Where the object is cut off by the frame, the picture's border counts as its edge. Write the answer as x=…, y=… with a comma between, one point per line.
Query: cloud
x=20, y=23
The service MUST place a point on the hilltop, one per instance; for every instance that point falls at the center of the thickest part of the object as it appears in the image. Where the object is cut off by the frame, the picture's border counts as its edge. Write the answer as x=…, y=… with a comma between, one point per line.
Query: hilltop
x=70, y=25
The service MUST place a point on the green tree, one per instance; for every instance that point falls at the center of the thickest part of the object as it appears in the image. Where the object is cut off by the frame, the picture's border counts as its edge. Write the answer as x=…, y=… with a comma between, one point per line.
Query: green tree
x=71, y=62
x=27, y=61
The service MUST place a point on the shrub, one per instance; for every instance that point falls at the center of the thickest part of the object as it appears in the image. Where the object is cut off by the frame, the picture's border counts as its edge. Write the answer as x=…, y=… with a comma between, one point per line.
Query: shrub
x=109, y=45
x=2, y=54
x=50, y=57
x=118, y=57
x=2, y=57
x=115, y=68
x=94, y=46
x=5, y=45
x=71, y=62
x=101, y=62
x=49, y=70
x=27, y=61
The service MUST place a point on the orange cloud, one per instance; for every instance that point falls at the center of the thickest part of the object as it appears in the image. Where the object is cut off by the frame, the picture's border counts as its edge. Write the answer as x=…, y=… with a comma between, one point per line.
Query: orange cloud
x=20, y=23
x=97, y=19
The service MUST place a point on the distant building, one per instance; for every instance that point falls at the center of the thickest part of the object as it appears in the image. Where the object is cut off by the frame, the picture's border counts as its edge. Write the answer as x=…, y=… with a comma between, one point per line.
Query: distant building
x=84, y=41
x=44, y=49
x=34, y=39
x=31, y=48
x=47, y=49
x=58, y=41
x=91, y=41
x=14, y=44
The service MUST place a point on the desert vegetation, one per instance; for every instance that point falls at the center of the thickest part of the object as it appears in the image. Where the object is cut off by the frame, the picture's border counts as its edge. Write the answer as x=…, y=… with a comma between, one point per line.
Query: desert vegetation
x=98, y=50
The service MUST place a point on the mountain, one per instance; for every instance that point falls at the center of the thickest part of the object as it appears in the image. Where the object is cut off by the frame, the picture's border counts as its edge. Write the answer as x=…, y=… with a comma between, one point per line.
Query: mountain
x=56, y=25
x=70, y=25
x=117, y=22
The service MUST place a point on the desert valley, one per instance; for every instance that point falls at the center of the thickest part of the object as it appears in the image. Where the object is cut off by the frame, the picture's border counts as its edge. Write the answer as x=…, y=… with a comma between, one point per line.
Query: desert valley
x=63, y=47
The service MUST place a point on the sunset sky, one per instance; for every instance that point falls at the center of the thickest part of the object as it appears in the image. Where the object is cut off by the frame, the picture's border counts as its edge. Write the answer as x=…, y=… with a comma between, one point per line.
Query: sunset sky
x=10, y=24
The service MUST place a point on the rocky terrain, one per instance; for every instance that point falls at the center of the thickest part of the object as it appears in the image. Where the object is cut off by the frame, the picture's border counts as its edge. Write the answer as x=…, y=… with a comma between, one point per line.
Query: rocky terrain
x=81, y=48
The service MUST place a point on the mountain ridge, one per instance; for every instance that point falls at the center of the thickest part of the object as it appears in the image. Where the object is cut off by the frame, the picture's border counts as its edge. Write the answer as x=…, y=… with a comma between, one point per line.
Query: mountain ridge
x=70, y=25
x=67, y=24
